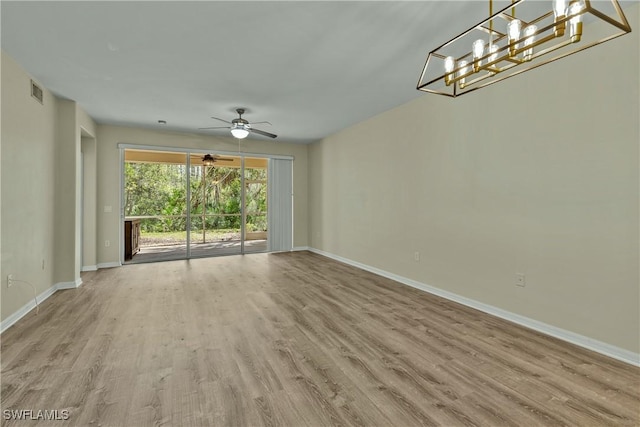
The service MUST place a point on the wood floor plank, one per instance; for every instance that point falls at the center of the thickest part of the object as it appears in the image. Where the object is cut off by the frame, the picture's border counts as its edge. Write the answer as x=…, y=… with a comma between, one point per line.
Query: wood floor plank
x=294, y=339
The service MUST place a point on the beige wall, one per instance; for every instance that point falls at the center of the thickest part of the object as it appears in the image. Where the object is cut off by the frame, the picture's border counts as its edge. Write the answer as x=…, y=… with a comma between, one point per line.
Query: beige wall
x=109, y=175
x=535, y=175
x=28, y=153
x=41, y=188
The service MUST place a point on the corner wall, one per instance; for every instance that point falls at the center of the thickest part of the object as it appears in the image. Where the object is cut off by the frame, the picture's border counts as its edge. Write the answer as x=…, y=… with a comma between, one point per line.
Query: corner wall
x=109, y=176
x=65, y=192
x=536, y=175
x=89, y=202
x=72, y=123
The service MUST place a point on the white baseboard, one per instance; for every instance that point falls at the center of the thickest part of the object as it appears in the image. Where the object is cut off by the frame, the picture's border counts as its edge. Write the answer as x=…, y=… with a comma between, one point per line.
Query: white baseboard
x=12, y=319
x=299, y=248
x=109, y=265
x=563, y=334
x=69, y=285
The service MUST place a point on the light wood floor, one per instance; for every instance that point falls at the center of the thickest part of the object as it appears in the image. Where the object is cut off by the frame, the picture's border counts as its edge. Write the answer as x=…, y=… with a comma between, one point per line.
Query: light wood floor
x=294, y=339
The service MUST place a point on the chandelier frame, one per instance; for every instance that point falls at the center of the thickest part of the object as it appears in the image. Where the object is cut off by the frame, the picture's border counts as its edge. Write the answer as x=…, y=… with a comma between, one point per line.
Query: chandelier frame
x=503, y=57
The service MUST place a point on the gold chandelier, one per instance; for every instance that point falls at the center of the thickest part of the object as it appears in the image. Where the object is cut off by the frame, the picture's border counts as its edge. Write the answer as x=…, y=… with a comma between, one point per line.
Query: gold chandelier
x=518, y=38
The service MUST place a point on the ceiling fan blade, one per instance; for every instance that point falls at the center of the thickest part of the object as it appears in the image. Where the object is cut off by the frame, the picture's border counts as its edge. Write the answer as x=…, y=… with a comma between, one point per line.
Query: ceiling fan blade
x=261, y=132
x=214, y=157
x=222, y=120
x=217, y=127
x=259, y=123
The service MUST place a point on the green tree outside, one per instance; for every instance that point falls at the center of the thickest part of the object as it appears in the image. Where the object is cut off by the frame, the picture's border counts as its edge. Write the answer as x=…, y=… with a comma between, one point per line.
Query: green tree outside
x=159, y=189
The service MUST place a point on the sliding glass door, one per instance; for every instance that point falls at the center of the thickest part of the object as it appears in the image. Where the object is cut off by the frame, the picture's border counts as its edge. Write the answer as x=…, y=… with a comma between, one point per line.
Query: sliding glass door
x=255, y=204
x=216, y=205
x=155, y=206
x=198, y=204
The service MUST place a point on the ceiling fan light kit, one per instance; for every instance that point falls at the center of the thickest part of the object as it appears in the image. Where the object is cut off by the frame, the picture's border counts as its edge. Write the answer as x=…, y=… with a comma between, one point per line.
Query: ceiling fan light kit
x=518, y=38
x=239, y=130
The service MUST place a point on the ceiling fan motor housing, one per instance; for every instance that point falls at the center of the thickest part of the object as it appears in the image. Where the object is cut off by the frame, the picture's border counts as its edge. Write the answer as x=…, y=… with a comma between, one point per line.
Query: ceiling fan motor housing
x=239, y=122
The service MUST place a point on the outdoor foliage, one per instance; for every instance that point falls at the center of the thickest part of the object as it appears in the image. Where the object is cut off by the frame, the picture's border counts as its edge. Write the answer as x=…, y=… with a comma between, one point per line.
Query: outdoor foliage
x=158, y=189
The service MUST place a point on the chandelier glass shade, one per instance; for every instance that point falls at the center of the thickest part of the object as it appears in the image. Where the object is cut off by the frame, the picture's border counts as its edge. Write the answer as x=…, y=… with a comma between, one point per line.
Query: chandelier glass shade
x=518, y=38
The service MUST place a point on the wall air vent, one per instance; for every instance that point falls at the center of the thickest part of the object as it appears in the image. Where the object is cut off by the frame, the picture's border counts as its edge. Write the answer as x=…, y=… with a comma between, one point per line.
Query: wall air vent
x=36, y=92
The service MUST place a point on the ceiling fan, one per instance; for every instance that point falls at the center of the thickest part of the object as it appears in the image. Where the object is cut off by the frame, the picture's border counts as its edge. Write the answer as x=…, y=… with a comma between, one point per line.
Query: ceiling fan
x=209, y=160
x=240, y=127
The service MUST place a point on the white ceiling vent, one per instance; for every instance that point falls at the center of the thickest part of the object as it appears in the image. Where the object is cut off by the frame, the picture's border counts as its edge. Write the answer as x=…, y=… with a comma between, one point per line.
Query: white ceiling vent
x=36, y=91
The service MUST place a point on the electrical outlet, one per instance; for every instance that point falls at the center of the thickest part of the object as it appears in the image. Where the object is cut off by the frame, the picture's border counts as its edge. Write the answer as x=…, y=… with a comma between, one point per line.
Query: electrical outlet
x=9, y=280
x=520, y=280
x=107, y=243
x=416, y=256
x=43, y=263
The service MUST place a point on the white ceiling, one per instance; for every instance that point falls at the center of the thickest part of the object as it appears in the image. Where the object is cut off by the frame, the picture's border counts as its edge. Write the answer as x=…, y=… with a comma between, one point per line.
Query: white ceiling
x=310, y=68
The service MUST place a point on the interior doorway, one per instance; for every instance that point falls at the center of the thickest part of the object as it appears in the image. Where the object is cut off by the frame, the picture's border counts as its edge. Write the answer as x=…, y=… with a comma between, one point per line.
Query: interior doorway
x=193, y=204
